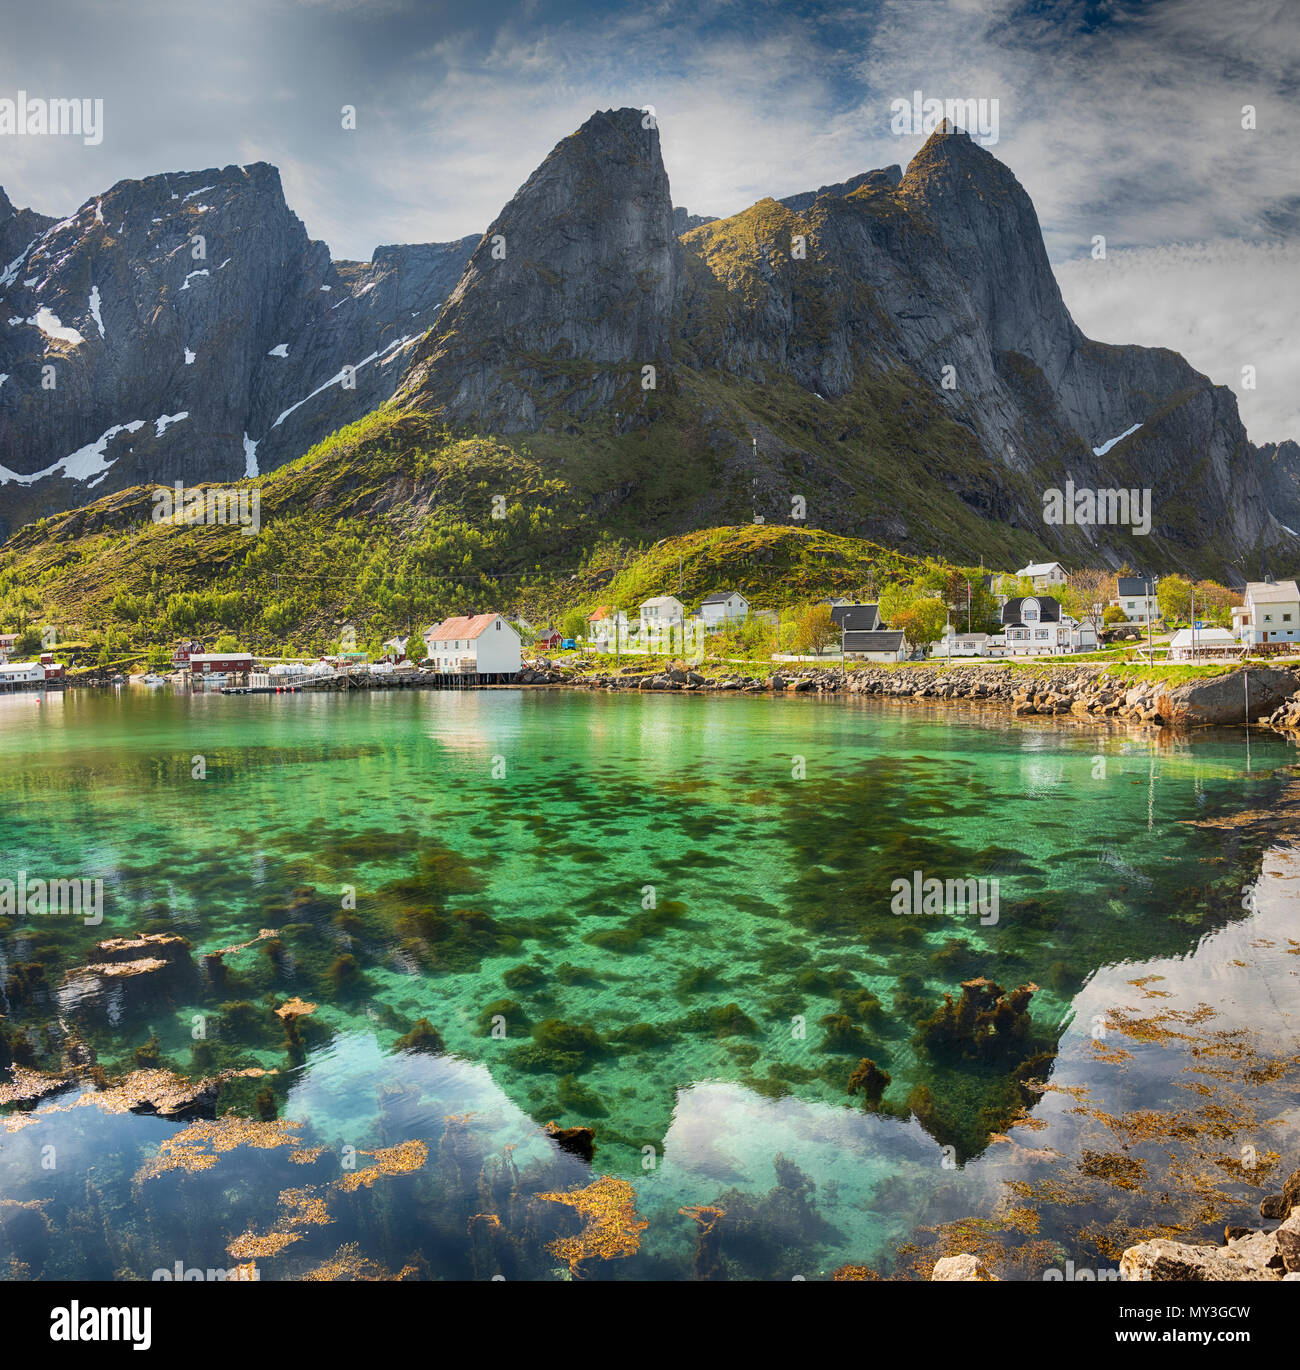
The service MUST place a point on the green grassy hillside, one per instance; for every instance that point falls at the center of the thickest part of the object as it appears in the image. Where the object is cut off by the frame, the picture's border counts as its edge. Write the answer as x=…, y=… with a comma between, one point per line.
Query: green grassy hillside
x=387, y=526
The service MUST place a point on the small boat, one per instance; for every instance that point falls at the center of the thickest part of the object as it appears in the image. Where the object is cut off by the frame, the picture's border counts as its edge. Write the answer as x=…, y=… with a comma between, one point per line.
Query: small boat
x=149, y=678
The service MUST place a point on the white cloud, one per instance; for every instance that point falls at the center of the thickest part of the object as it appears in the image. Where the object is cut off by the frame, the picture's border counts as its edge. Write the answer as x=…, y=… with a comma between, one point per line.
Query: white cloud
x=1223, y=305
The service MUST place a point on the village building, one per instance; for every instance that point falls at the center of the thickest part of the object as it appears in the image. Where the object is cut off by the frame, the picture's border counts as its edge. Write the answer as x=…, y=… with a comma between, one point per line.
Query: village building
x=1044, y=574
x=474, y=644
x=885, y=644
x=219, y=663
x=858, y=618
x=955, y=643
x=1034, y=625
x=1136, y=596
x=1270, y=614
x=1200, y=644
x=662, y=611
x=607, y=629
x=723, y=607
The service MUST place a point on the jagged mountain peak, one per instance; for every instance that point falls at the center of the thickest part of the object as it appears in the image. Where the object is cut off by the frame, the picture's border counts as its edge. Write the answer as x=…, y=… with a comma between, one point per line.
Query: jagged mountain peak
x=582, y=264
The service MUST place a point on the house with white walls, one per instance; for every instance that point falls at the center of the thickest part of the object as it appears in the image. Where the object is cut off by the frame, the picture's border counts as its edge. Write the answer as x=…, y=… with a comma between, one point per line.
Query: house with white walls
x=723, y=607
x=1269, y=615
x=662, y=612
x=1044, y=574
x=1035, y=625
x=1136, y=596
x=474, y=644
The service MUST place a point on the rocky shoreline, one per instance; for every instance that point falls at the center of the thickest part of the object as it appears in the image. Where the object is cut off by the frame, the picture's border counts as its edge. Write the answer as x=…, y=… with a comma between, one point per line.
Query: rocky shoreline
x=1256, y=695
x=1266, y=1254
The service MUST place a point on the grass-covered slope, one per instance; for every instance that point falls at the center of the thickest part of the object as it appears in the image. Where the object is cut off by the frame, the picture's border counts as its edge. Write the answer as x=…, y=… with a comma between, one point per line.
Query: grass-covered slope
x=387, y=526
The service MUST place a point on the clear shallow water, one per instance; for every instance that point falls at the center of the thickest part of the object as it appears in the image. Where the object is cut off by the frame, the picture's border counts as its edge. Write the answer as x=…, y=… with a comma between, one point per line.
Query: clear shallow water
x=631, y=914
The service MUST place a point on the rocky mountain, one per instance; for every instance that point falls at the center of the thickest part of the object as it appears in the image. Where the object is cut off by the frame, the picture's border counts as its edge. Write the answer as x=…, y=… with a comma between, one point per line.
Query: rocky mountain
x=888, y=356
x=934, y=285
x=186, y=327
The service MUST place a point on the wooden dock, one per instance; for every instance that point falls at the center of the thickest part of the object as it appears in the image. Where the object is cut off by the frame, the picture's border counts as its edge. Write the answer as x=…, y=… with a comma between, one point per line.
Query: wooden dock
x=400, y=680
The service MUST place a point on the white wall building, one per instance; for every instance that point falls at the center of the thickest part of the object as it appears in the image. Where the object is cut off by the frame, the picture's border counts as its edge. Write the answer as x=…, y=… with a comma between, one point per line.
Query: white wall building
x=1044, y=574
x=661, y=611
x=1136, y=596
x=723, y=607
x=954, y=643
x=1197, y=645
x=1035, y=626
x=1271, y=613
x=482, y=644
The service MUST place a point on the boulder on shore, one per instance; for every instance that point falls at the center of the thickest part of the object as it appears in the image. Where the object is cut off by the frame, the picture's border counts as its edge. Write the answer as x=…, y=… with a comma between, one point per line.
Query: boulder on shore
x=1222, y=698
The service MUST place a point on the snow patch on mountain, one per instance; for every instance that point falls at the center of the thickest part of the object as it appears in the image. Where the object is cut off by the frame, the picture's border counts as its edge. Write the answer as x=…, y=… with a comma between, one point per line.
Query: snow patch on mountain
x=1106, y=446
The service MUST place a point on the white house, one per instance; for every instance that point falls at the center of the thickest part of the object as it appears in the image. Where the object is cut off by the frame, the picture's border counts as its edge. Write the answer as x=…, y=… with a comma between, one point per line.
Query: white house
x=1035, y=626
x=662, y=611
x=21, y=673
x=1044, y=574
x=1270, y=614
x=482, y=644
x=1136, y=596
x=1197, y=644
x=955, y=643
x=723, y=607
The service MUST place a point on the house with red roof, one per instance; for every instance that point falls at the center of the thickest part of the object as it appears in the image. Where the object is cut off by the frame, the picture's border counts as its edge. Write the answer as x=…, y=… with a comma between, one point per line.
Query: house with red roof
x=474, y=644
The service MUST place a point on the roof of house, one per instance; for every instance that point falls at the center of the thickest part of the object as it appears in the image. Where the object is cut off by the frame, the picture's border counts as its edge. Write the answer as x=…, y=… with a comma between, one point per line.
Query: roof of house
x=888, y=640
x=549, y=632
x=220, y=656
x=1040, y=568
x=1205, y=637
x=1135, y=585
x=856, y=618
x=1049, y=610
x=722, y=596
x=453, y=629
x=662, y=601
x=969, y=637
x=601, y=611
x=1266, y=592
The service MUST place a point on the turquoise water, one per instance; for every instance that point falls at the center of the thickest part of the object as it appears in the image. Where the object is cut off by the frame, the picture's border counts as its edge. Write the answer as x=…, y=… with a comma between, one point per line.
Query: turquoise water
x=665, y=919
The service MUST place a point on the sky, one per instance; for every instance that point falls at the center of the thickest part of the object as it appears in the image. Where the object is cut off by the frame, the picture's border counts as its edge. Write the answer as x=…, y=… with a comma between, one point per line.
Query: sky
x=1123, y=119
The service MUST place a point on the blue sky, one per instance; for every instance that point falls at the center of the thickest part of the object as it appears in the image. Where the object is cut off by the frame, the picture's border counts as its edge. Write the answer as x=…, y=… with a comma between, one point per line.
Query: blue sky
x=1120, y=119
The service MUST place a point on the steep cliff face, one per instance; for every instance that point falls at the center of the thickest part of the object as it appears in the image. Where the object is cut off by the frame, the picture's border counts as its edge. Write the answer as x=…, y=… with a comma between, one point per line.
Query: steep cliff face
x=572, y=291
x=943, y=275
x=892, y=350
x=186, y=327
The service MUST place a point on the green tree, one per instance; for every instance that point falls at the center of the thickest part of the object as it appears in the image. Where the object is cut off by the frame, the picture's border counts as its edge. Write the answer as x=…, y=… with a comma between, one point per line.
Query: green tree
x=814, y=629
x=574, y=624
x=226, y=643
x=1174, y=596
x=920, y=616
x=28, y=644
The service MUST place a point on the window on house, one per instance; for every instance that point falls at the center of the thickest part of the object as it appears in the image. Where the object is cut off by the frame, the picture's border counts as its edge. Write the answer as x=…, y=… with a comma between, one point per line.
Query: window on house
x=1268, y=618
x=1286, y=618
